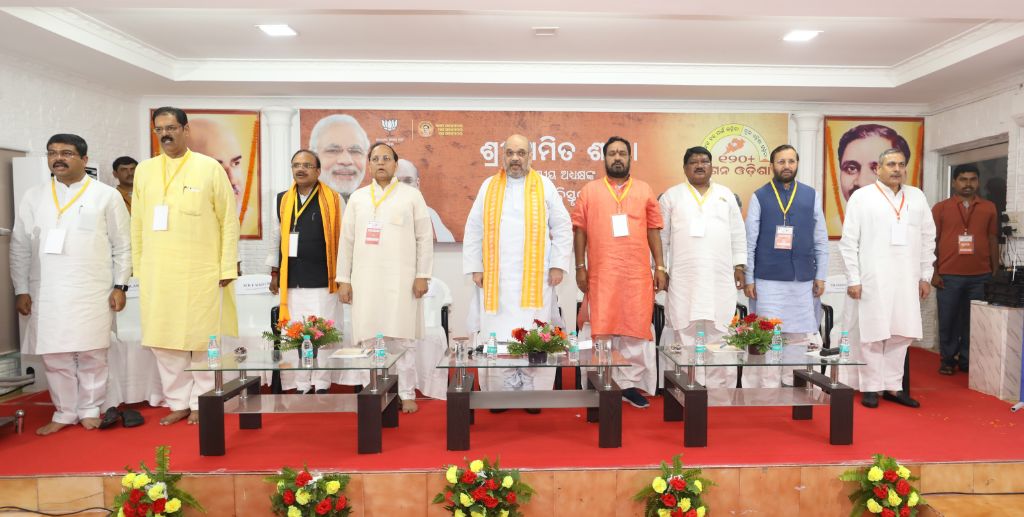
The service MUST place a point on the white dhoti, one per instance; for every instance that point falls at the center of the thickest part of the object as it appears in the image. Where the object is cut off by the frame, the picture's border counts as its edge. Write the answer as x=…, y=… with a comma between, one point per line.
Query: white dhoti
x=709, y=376
x=883, y=364
x=182, y=388
x=405, y=367
x=638, y=353
x=303, y=302
x=776, y=376
x=78, y=384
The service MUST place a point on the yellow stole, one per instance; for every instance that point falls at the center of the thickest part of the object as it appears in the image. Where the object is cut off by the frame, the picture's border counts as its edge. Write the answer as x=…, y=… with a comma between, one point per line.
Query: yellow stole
x=532, y=296
x=329, y=202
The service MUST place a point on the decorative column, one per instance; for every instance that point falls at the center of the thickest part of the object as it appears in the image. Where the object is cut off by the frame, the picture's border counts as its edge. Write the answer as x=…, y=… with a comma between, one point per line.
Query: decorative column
x=809, y=146
x=278, y=145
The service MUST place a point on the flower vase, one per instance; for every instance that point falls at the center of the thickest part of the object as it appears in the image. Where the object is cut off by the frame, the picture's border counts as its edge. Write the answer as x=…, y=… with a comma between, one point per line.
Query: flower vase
x=538, y=357
x=753, y=350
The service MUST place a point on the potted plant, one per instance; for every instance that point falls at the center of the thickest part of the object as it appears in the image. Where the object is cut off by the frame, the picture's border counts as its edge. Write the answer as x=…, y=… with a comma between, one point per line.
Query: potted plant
x=483, y=489
x=538, y=342
x=153, y=492
x=676, y=492
x=301, y=494
x=752, y=333
x=321, y=332
x=883, y=489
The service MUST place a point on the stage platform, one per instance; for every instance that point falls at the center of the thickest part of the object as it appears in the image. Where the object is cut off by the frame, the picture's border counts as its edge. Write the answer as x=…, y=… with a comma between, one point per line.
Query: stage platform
x=764, y=462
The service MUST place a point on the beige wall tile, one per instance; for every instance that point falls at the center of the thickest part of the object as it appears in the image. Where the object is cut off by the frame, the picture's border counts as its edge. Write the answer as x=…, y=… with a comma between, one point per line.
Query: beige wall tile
x=252, y=495
x=70, y=493
x=946, y=477
x=998, y=477
x=543, y=500
x=589, y=493
x=823, y=494
x=628, y=483
x=724, y=497
x=769, y=490
x=215, y=493
x=382, y=495
x=20, y=492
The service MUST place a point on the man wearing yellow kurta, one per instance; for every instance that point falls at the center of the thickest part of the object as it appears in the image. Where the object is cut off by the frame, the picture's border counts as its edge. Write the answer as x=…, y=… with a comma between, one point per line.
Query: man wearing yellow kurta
x=384, y=261
x=184, y=253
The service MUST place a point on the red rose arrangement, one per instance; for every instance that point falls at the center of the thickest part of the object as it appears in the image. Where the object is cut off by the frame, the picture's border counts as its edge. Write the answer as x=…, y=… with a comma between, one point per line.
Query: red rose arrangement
x=483, y=488
x=152, y=492
x=677, y=492
x=321, y=332
x=883, y=488
x=752, y=333
x=301, y=494
x=543, y=337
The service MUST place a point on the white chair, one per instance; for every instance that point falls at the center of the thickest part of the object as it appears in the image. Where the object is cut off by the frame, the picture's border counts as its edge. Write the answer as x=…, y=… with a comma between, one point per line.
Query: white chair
x=433, y=381
x=133, y=375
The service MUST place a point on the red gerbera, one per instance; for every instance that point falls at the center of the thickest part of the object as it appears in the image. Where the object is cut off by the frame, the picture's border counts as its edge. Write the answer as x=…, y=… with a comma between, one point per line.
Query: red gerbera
x=888, y=513
x=342, y=503
x=668, y=500
x=766, y=325
x=490, y=502
x=518, y=335
x=677, y=484
x=288, y=496
x=135, y=496
x=491, y=484
x=158, y=505
x=303, y=478
x=905, y=511
x=750, y=318
x=891, y=476
x=468, y=477
x=902, y=487
x=323, y=507
x=511, y=497
x=881, y=492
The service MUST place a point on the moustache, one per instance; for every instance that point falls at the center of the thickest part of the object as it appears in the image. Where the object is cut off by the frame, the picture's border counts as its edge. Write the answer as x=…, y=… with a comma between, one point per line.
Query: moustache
x=166, y=139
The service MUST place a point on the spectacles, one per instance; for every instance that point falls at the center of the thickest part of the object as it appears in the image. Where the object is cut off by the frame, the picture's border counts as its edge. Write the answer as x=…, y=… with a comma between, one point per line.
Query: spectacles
x=166, y=129
x=520, y=153
x=699, y=162
x=305, y=166
x=63, y=154
x=385, y=158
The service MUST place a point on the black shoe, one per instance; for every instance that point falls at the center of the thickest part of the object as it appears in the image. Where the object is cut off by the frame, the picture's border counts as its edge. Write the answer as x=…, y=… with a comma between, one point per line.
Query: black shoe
x=869, y=399
x=633, y=396
x=110, y=418
x=965, y=368
x=901, y=398
x=499, y=410
x=532, y=410
x=132, y=418
x=945, y=370
x=321, y=391
x=357, y=388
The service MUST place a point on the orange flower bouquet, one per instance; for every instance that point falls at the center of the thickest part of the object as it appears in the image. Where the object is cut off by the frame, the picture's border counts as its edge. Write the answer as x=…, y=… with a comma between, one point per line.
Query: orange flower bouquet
x=543, y=337
x=322, y=332
x=752, y=333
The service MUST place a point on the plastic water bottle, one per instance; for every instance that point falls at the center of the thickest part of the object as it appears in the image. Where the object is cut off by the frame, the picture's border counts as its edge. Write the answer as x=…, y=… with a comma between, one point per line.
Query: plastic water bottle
x=492, y=347
x=700, y=349
x=574, y=348
x=213, y=353
x=844, y=347
x=776, y=350
x=307, y=352
x=380, y=352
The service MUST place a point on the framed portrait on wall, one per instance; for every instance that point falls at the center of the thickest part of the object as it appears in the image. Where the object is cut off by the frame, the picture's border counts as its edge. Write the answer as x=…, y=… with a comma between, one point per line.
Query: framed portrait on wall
x=852, y=146
x=232, y=137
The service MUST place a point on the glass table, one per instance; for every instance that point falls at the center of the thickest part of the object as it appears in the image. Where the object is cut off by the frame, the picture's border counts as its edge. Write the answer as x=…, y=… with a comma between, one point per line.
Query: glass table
x=688, y=401
x=376, y=406
x=601, y=396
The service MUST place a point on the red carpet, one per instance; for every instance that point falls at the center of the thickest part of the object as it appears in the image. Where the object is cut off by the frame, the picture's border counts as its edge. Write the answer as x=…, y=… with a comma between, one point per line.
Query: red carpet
x=953, y=424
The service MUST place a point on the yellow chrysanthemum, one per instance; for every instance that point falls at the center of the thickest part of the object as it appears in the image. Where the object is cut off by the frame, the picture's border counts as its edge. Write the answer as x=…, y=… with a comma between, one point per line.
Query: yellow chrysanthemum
x=873, y=506
x=903, y=472
x=172, y=506
x=701, y=511
x=913, y=499
x=894, y=498
x=697, y=486
x=294, y=512
x=504, y=513
x=875, y=474
x=465, y=500
x=128, y=481
x=477, y=514
x=476, y=466
x=662, y=512
x=120, y=512
x=659, y=485
x=301, y=496
x=507, y=482
x=684, y=504
x=452, y=475
x=332, y=487
x=141, y=480
x=458, y=513
x=156, y=491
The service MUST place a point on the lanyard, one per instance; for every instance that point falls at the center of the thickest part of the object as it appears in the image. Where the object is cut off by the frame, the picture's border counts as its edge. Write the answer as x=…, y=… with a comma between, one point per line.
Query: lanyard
x=903, y=199
x=167, y=183
x=700, y=199
x=625, y=192
x=792, y=196
x=970, y=212
x=373, y=193
x=60, y=209
x=298, y=211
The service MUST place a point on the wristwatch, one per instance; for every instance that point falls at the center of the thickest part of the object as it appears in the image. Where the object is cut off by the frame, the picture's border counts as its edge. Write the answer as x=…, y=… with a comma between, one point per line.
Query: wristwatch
x=122, y=287
x=663, y=268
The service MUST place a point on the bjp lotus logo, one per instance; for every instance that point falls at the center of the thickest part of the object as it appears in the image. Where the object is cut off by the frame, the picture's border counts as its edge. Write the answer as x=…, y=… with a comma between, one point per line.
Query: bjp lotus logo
x=389, y=124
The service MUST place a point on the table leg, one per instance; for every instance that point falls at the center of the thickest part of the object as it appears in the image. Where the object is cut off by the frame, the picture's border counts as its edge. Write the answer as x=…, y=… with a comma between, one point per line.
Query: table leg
x=695, y=410
x=211, y=424
x=672, y=410
x=594, y=379
x=609, y=416
x=801, y=412
x=252, y=420
x=391, y=412
x=370, y=418
x=459, y=414
x=841, y=415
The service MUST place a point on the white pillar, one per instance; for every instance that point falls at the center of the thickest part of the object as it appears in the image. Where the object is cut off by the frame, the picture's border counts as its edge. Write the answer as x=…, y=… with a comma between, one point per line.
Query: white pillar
x=809, y=146
x=278, y=145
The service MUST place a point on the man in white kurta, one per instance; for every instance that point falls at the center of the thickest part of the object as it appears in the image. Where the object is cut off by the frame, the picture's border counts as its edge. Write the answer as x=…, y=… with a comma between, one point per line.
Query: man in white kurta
x=70, y=263
x=888, y=247
x=705, y=247
x=511, y=310
x=185, y=254
x=385, y=259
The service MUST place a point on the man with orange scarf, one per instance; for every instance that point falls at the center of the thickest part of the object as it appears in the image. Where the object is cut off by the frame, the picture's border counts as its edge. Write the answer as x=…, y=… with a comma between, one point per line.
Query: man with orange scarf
x=517, y=246
x=302, y=266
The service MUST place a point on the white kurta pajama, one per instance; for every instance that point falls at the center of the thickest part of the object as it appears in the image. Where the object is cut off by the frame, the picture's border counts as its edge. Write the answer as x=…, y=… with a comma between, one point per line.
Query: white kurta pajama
x=70, y=290
x=888, y=315
x=382, y=274
x=511, y=314
x=701, y=286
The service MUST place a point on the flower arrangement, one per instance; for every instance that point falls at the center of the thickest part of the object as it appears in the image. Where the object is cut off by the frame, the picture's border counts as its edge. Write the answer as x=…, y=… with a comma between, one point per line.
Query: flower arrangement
x=483, y=489
x=152, y=492
x=752, y=333
x=883, y=488
x=301, y=494
x=677, y=492
x=543, y=337
x=321, y=332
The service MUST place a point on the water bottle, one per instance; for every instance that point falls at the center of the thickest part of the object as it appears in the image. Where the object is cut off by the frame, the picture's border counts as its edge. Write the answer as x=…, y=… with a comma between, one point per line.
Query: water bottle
x=776, y=350
x=700, y=349
x=380, y=352
x=213, y=353
x=492, y=347
x=307, y=352
x=574, y=348
x=844, y=347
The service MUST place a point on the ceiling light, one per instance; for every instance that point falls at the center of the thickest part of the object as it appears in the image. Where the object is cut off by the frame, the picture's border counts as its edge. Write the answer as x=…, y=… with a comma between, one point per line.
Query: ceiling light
x=277, y=30
x=801, y=35
x=545, y=31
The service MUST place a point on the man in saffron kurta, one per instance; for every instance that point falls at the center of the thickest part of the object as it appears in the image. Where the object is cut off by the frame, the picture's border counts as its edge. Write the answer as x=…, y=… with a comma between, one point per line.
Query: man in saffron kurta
x=385, y=259
x=184, y=252
x=616, y=222
x=517, y=247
